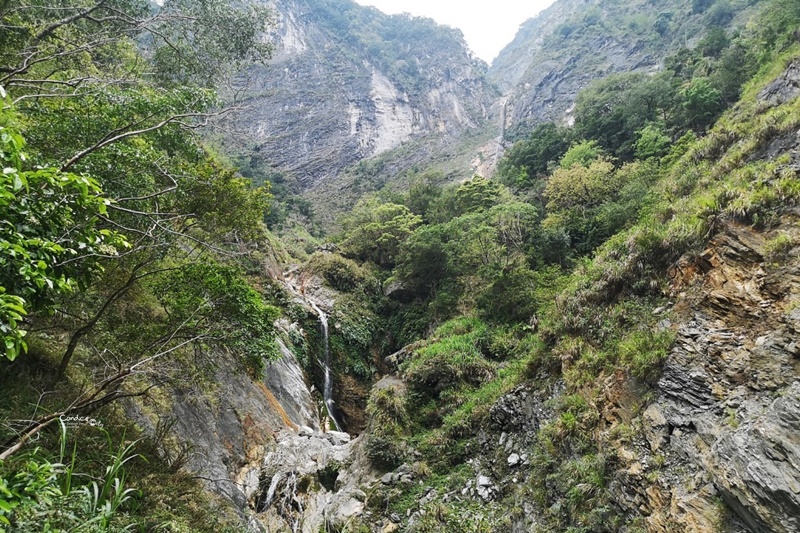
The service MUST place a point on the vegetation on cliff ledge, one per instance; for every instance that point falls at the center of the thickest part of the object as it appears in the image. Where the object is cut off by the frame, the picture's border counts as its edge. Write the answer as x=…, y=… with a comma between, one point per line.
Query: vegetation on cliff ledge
x=132, y=260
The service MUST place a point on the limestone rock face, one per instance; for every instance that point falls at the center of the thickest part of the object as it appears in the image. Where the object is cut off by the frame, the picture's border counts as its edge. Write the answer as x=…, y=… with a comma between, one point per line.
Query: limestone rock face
x=347, y=83
x=231, y=426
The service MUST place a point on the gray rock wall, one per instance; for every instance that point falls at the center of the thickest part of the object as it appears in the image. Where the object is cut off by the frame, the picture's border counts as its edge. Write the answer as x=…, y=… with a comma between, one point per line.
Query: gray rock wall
x=327, y=100
x=231, y=425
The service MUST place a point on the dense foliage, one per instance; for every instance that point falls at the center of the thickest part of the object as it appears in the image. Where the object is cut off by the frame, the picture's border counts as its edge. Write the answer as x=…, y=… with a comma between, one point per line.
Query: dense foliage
x=384, y=39
x=553, y=277
x=126, y=245
x=131, y=256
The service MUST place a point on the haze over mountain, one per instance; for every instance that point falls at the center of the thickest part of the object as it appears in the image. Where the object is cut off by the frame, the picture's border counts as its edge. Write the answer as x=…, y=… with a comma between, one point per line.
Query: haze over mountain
x=485, y=35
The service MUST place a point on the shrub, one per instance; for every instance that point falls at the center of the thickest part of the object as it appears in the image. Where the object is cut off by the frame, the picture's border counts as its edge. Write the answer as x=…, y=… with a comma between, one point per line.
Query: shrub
x=339, y=272
x=385, y=453
x=643, y=351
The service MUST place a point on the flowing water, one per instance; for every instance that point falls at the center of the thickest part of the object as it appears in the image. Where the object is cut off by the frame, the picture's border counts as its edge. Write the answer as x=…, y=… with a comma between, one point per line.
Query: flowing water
x=327, y=389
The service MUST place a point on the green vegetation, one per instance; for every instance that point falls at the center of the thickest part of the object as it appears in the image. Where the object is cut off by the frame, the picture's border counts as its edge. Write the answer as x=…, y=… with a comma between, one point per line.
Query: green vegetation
x=384, y=39
x=556, y=278
x=126, y=249
x=133, y=256
x=48, y=496
x=57, y=254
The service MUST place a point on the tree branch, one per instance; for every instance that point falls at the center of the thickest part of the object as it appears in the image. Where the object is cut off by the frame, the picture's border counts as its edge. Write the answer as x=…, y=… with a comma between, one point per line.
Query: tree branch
x=83, y=330
x=106, y=141
x=68, y=20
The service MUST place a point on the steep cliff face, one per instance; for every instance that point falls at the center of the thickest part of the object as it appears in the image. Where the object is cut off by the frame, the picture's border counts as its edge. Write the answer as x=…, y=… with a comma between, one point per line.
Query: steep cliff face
x=557, y=53
x=348, y=83
x=229, y=427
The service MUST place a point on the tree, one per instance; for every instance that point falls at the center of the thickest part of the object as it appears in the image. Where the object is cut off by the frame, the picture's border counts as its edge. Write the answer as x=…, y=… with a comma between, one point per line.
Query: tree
x=702, y=103
x=606, y=113
x=50, y=239
x=580, y=187
x=214, y=304
x=611, y=110
x=374, y=231
x=653, y=141
x=736, y=65
x=468, y=255
x=73, y=48
x=478, y=194
x=423, y=263
x=714, y=42
x=582, y=153
x=720, y=13
x=528, y=161
x=423, y=191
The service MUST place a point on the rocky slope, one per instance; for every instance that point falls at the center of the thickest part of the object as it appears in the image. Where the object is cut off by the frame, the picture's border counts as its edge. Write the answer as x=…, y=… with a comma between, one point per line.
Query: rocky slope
x=711, y=444
x=230, y=426
x=725, y=421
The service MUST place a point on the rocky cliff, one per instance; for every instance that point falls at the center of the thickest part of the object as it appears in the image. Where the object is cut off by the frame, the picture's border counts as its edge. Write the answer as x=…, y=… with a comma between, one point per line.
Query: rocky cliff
x=227, y=428
x=354, y=99
x=348, y=83
x=557, y=53
x=725, y=422
x=710, y=443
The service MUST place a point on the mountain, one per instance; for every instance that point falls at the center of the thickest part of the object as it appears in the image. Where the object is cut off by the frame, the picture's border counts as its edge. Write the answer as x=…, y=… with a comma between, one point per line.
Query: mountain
x=602, y=339
x=557, y=53
x=347, y=83
x=354, y=101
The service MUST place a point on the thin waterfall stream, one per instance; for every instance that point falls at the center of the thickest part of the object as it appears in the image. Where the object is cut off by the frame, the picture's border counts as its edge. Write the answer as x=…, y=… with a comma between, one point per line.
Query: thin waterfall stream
x=327, y=389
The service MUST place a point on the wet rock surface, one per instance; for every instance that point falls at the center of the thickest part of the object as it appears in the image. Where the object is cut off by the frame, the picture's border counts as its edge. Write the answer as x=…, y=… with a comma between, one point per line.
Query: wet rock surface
x=305, y=483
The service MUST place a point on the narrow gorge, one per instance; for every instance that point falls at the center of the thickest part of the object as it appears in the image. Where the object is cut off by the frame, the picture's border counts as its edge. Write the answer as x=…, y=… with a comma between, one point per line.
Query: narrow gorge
x=301, y=266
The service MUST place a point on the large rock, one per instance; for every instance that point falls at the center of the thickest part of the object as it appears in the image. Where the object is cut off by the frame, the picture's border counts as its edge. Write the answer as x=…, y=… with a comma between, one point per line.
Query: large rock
x=785, y=88
x=300, y=487
x=757, y=466
x=725, y=424
x=521, y=410
x=231, y=426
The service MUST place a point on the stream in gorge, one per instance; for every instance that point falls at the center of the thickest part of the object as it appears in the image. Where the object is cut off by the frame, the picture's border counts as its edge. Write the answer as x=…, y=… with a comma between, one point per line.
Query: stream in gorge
x=309, y=477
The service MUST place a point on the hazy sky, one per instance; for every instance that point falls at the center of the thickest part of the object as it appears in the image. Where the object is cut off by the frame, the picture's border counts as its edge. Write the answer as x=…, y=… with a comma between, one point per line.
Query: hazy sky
x=487, y=26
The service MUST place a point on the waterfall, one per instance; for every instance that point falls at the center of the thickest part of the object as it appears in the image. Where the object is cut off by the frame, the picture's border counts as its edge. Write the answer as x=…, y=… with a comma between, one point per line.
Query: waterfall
x=271, y=491
x=327, y=389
